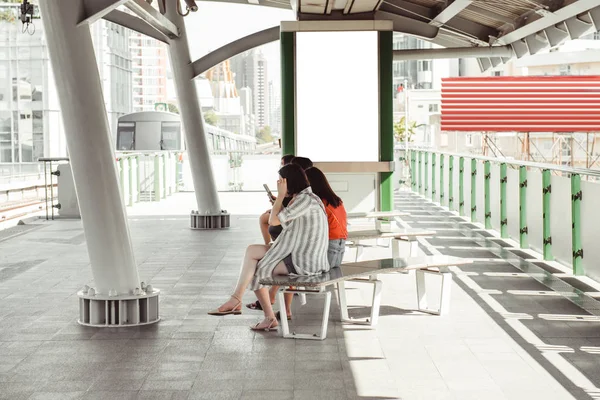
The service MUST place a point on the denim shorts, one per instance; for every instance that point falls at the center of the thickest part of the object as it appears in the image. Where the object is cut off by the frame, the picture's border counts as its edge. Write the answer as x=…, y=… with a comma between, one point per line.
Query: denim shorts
x=335, y=252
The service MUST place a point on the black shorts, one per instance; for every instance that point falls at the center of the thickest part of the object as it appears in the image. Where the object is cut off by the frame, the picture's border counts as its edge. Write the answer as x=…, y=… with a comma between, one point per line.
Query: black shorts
x=289, y=265
x=275, y=231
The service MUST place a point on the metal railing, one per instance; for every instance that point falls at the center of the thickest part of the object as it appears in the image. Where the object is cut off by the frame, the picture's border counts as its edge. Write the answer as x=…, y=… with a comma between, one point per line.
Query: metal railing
x=538, y=205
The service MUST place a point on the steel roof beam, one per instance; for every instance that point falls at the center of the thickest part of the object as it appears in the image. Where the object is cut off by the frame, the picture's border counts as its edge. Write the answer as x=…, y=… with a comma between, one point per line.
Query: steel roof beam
x=495, y=52
x=538, y=21
x=135, y=24
x=451, y=10
x=96, y=9
x=152, y=16
x=234, y=48
x=408, y=25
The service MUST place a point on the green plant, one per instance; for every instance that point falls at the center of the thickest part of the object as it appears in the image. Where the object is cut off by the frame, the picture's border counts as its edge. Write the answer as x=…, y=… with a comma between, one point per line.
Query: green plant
x=264, y=135
x=400, y=129
x=211, y=118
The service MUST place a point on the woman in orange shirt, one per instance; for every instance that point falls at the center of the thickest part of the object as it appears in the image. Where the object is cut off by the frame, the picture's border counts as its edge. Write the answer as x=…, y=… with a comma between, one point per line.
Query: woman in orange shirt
x=336, y=215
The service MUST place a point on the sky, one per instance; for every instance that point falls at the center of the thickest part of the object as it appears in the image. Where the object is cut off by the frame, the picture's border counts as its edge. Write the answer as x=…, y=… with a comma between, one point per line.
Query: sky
x=217, y=24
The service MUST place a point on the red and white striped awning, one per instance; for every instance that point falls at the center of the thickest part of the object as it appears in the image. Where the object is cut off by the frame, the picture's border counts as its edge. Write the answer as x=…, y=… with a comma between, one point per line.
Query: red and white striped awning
x=521, y=104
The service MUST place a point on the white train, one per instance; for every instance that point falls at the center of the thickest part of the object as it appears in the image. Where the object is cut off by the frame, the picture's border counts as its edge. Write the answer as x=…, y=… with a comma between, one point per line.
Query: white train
x=156, y=130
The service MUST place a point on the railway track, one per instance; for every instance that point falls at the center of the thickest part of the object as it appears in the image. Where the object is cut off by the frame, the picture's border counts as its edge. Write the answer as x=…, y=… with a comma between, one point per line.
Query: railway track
x=19, y=209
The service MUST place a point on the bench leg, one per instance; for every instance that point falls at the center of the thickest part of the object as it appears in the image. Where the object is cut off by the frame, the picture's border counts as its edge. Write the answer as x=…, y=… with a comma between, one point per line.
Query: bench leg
x=375, y=305
x=341, y=287
x=414, y=247
x=325, y=321
x=446, y=286
x=359, y=252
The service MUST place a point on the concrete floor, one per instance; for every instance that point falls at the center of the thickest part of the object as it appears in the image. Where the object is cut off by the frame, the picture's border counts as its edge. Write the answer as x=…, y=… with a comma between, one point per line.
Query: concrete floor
x=514, y=331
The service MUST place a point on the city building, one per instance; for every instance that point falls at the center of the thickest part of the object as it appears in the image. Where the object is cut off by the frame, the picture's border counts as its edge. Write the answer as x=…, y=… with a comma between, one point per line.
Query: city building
x=275, y=110
x=114, y=57
x=250, y=70
x=149, y=66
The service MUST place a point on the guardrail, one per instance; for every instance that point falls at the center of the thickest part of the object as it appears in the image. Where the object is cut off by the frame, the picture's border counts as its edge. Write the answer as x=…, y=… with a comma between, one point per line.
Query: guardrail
x=538, y=205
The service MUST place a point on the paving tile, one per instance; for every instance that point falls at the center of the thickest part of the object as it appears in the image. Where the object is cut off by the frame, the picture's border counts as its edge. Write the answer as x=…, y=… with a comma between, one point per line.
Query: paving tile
x=267, y=395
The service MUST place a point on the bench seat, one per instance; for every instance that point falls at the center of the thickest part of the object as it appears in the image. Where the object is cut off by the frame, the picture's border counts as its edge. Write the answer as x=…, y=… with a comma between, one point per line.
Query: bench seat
x=405, y=234
x=365, y=271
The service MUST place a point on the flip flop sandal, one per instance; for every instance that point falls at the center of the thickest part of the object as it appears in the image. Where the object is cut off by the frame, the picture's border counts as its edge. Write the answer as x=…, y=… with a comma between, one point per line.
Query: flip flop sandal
x=254, y=306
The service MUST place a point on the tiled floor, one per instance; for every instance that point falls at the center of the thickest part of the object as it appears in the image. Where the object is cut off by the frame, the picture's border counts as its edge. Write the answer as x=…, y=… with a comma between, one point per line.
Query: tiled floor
x=509, y=334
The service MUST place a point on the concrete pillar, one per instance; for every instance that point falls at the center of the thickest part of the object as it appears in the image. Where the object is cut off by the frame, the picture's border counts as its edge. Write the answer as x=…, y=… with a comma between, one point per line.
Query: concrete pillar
x=90, y=146
x=191, y=115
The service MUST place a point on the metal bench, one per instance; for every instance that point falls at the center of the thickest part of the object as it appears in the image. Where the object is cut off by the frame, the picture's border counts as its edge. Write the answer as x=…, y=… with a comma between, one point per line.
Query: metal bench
x=378, y=216
x=407, y=234
x=365, y=271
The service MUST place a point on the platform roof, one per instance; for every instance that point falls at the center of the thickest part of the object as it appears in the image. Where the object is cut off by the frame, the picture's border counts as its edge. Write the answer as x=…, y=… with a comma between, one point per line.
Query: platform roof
x=528, y=26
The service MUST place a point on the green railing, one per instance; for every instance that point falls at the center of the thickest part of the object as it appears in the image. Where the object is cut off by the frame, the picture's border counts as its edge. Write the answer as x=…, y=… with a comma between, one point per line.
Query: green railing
x=540, y=206
x=148, y=176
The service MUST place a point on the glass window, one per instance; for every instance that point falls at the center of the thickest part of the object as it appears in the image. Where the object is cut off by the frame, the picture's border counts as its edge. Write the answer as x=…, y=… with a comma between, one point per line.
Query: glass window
x=171, y=136
x=126, y=136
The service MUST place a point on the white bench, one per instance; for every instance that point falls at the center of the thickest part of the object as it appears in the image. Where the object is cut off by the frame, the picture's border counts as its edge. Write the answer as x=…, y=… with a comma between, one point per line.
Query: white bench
x=396, y=236
x=378, y=216
x=365, y=271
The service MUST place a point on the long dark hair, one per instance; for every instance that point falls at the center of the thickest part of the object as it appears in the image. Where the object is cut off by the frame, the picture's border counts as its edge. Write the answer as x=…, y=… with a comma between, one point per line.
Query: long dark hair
x=304, y=162
x=320, y=186
x=287, y=159
x=296, y=178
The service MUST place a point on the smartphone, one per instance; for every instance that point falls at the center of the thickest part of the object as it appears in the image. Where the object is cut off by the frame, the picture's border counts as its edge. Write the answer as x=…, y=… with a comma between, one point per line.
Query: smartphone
x=268, y=191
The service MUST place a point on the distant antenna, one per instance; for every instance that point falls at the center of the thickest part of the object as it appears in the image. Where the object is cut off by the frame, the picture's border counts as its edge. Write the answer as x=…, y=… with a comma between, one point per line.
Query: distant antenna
x=27, y=10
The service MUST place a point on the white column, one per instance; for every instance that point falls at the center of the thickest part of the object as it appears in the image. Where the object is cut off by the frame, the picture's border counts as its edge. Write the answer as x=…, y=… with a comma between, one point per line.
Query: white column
x=191, y=115
x=90, y=146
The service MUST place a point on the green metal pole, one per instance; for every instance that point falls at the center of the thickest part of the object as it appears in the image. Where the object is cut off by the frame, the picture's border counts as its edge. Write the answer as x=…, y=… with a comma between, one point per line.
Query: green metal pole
x=503, y=204
x=461, y=186
x=433, y=157
x=413, y=172
x=547, y=190
x=156, y=177
x=488, y=206
x=420, y=171
x=523, y=231
x=451, y=183
x=576, y=198
x=288, y=92
x=473, y=190
x=441, y=179
x=131, y=186
x=386, y=116
x=122, y=177
x=426, y=173
x=138, y=173
x=164, y=176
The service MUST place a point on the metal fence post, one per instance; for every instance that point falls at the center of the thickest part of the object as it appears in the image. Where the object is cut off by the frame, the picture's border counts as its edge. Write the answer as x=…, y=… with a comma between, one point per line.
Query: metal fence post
x=165, y=180
x=420, y=155
x=451, y=183
x=156, y=177
x=413, y=171
x=122, y=178
x=139, y=174
x=433, y=157
x=576, y=198
x=461, y=186
x=131, y=185
x=473, y=190
x=426, y=183
x=547, y=190
x=488, y=207
x=503, y=205
x=523, y=231
x=441, y=179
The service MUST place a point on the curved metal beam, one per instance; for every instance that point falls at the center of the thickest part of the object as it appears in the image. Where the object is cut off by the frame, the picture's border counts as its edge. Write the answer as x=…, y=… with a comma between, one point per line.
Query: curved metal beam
x=408, y=25
x=234, y=48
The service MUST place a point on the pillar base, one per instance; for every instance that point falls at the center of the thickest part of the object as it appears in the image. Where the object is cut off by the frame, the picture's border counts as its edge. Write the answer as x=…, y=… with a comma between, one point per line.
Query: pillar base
x=103, y=311
x=210, y=221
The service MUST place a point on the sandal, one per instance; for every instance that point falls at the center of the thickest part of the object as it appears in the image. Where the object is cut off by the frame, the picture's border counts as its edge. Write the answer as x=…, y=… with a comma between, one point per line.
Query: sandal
x=278, y=316
x=236, y=310
x=254, y=306
x=271, y=327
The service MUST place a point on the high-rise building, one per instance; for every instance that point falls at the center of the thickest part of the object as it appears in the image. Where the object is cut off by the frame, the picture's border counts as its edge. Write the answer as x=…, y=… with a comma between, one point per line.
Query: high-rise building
x=149, y=58
x=250, y=70
x=31, y=124
x=113, y=54
x=275, y=110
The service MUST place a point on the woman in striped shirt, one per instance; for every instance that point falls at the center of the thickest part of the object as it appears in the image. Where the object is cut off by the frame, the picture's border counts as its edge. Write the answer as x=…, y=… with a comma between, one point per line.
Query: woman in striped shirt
x=300, y=249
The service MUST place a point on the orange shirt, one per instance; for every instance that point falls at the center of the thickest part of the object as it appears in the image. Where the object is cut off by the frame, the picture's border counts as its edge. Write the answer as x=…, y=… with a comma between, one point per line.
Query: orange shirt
x=338, y=222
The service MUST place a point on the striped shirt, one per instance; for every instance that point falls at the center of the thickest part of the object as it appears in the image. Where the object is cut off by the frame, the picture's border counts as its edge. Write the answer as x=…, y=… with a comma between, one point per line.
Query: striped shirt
x=305, y=236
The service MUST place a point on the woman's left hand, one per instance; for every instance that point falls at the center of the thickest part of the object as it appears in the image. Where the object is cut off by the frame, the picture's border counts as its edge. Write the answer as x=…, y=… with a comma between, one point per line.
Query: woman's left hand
x=282, y=188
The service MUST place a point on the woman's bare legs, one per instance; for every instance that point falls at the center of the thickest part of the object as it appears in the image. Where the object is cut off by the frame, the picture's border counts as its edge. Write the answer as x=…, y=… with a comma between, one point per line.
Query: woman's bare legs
x=265, y=300
x=254, y=253
x=263, y=220
x=288, y=299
